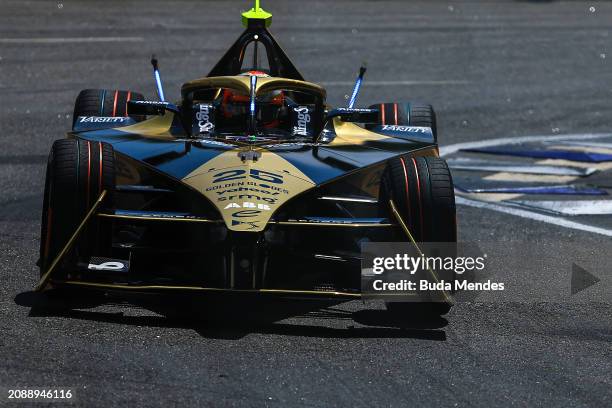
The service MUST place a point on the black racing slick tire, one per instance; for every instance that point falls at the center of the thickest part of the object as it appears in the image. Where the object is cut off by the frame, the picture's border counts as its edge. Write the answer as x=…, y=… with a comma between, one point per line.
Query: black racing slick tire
x=104, y=102
x=407, y=114
x=422, y=191
x=77, y=173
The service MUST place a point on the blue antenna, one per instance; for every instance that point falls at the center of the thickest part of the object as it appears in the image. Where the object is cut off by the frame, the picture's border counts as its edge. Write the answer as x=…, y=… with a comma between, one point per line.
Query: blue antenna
x=160, y=89
x=357, y=87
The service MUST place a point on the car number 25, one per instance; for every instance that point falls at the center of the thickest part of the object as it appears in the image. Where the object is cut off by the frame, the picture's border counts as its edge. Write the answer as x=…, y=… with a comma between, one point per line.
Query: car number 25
x=238, y=174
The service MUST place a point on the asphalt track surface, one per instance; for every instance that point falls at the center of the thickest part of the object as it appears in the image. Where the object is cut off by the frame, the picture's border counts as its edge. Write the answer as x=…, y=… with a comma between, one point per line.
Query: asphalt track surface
x=491, y=69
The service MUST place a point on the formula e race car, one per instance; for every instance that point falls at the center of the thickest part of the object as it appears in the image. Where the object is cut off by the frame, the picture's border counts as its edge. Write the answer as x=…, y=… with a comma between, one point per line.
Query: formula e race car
x=250, y=183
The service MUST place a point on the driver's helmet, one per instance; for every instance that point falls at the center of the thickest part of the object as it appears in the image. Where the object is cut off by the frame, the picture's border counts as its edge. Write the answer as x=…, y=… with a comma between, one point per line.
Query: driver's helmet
x=259, y=74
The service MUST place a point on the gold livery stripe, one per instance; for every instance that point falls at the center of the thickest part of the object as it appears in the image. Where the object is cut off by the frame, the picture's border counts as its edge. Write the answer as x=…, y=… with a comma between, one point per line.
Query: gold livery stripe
x=157, y=127
x=242, y=84
x=332, y=224
x=292, y=223
x=220, y=290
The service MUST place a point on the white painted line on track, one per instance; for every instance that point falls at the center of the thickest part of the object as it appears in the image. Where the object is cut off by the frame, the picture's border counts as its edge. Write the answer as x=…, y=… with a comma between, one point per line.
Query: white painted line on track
x=396, y=83
x=518, y=168
x=567, y=207
x=530, y=178
x=561, y=162
x=533, y=216
x=454, y=148
x=64, y=40
x=490, y=197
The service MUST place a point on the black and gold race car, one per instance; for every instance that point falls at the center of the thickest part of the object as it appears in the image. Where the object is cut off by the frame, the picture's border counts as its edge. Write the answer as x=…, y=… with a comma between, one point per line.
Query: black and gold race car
x=250, y=183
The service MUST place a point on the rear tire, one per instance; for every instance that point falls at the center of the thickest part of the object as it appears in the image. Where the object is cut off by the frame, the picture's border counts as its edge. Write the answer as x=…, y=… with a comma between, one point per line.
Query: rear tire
x=407, y=114
x=77, y=173
x=422, y=190
x=104, y=102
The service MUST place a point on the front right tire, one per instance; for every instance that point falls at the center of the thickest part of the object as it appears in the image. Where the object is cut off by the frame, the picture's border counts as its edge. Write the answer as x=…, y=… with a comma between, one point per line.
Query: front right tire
x=422, y=190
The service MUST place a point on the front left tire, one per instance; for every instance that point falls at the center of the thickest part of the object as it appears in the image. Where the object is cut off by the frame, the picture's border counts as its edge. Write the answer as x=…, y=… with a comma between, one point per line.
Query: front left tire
x=77, y=173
